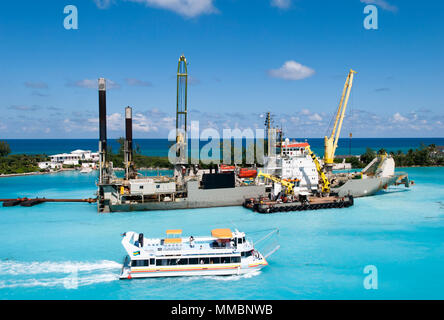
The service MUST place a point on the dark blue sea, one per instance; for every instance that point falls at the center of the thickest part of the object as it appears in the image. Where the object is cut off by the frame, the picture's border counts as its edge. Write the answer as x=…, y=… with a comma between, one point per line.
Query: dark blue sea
x=159, y=147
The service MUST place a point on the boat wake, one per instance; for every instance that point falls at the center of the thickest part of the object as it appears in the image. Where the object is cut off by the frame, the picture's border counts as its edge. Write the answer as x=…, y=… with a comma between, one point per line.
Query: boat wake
x=223, y=278
x=68, y=274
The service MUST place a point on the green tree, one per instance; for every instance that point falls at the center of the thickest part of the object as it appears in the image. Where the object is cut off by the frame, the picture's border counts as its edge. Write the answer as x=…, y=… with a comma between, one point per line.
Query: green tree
x=368, y=156
x=4, y=149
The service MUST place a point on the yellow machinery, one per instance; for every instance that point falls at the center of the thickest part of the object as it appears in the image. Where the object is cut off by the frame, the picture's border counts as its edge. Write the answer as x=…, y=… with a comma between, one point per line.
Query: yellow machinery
x=325, y=182
x=288, y=185
x=331, y=143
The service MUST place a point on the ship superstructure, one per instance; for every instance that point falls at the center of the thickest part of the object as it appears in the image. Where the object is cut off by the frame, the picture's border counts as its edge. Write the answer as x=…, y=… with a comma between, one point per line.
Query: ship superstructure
x=293, y=163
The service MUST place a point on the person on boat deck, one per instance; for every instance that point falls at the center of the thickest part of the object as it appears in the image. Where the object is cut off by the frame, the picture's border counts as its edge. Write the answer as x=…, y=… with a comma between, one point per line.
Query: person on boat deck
x=192, y=242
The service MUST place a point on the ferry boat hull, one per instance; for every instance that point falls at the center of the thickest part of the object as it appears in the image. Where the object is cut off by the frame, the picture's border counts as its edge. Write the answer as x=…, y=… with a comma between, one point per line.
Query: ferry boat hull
x=230, y=270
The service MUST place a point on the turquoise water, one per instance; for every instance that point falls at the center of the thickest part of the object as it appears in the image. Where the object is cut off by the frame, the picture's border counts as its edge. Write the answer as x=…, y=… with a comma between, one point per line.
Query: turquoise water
x=322, y=256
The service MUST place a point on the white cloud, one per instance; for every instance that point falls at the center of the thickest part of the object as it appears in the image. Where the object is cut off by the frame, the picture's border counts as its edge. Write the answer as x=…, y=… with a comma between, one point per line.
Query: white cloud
x=383, y=4
x=315, y=117
x=186, y=8
x=397, y=117
x=292, y=70
x=281, y=4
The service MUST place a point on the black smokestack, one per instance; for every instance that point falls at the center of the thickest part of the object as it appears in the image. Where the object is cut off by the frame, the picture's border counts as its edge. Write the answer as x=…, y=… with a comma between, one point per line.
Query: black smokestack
x=129, y=131
x=102, y=113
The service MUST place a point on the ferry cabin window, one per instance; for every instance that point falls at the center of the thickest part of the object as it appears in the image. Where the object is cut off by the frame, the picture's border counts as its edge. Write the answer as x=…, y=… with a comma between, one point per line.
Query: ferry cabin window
x=139, y=263
x=185, y=261
x=152, y=262
x=214, y=260
x=161, y=262
x=225, y=260
x=246, y=254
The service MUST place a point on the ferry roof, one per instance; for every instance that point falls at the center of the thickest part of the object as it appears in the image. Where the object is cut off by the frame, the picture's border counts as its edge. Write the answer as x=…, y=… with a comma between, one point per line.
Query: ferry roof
x=221, y=233
x=174, y=231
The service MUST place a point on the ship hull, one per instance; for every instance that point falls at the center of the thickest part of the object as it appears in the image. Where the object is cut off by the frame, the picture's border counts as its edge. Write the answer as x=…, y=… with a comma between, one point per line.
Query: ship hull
x=197, y=198
x=190, y=272
x=365, y=187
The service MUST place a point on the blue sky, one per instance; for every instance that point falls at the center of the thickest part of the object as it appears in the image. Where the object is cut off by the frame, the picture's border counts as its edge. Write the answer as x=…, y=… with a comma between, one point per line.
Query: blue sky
x=246, y=57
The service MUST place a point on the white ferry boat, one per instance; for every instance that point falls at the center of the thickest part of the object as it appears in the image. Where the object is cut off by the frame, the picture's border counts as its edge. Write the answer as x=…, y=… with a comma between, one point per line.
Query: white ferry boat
x=224, y=253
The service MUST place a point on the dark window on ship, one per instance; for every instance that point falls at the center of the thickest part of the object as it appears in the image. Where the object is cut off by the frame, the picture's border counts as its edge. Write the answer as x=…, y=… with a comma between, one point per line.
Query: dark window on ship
x=182, y=261
x=194, y=261
x=204, y=260
x=235, y=259
x=172, y=262
x=247, y=253
x=225, y=260
x=214, y=260
x=140, y=187
x=152, y=261
x=161, y=262
x=239, y=240
x=139, y=263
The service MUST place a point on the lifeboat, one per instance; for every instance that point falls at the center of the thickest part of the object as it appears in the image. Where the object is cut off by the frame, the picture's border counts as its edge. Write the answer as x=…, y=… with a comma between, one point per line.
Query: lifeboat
x=247, y=173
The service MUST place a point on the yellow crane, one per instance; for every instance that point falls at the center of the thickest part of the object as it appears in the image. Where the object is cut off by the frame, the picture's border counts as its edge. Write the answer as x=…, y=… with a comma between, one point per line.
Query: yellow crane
x=325, y=182
x=331, y=143
x=288, y=185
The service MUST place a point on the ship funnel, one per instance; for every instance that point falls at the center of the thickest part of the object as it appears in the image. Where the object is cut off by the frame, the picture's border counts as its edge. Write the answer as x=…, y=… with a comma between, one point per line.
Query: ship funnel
x=128, y=142
x=102, y=126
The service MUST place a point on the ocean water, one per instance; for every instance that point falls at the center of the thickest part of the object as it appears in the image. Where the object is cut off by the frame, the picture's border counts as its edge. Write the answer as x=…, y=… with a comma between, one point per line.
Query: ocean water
x=159, y=147
x=69, y=251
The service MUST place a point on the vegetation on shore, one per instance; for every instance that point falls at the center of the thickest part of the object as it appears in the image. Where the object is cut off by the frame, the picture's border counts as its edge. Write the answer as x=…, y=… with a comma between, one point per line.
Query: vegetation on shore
x=140, y=160
x=423, y=156
x=18, y=163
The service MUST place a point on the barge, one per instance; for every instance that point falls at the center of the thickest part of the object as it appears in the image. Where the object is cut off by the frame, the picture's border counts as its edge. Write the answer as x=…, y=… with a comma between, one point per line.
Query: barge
x=302, y=203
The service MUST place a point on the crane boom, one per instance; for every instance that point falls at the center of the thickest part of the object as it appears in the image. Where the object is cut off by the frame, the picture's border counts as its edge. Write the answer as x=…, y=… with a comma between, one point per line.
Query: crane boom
x=288, y=185
x=325, y=182
x=331, y=143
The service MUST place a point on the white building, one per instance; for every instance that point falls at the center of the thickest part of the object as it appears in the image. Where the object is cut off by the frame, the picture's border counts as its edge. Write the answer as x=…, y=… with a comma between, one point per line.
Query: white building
x=50, y=165
x=75, y=156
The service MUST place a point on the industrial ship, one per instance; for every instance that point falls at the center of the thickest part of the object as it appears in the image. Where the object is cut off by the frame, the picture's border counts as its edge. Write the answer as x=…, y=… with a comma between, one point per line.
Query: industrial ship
x=190, y=187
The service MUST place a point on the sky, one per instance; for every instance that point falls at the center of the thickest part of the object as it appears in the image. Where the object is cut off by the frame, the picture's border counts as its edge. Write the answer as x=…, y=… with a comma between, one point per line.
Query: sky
x=245, y=58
